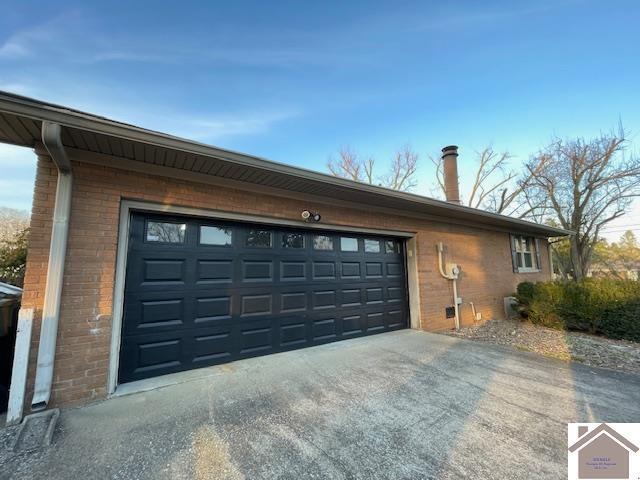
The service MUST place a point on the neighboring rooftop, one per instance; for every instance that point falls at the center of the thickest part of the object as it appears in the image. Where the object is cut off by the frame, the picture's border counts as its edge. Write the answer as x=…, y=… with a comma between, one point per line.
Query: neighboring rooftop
x=21, y=123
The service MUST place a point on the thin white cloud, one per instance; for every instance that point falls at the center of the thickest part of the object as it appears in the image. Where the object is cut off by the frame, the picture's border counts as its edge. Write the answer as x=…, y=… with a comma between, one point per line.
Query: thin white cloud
x=13, y=49
x=70, y=37
x=218, y=127
x=57, y=34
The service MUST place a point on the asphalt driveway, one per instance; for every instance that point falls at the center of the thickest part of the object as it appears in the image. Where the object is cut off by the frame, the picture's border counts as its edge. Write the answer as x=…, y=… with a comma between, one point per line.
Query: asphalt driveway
x=404, y=405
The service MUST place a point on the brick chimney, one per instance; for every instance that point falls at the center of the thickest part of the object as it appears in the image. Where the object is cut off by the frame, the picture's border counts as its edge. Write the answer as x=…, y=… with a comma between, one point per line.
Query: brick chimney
x=450, y=170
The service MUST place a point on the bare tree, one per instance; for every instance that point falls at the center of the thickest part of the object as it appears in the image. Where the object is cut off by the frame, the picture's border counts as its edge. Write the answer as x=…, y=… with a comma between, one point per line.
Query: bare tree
x=12, y=222
x=402, y=170
x=349, y=165
x=495, y=187
x=584, y=185
x=400, y=176
x=14, y=233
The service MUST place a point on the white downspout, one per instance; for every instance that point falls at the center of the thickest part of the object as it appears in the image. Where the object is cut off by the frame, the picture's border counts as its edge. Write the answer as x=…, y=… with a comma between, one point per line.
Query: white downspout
x=455, y=271
x=52, y=140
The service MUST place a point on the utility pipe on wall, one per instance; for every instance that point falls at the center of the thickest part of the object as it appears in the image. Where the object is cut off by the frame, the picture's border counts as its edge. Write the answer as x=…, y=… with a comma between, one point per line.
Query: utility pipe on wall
x=52, y=140
x=452, y=275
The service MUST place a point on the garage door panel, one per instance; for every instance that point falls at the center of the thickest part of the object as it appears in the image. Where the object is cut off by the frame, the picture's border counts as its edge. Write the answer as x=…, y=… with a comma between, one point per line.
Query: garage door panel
x=374, y=321
x=324, y=270
x=212, y=309
x=373, y=270
x=296, y=301
x=324, y=329
x=324, y=299
x=256, y=338
x=293, y=270
x=213, y=271
x=350, y=270
x=352, y=325
x=257, y=271
x=156, y=311
x=158, y=272
x=151, y=355
x=396, y=319
x=190, y=304
x=254, y=305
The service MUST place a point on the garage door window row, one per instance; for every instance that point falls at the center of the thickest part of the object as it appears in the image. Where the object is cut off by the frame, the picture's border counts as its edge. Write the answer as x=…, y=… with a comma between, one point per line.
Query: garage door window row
x=175, y=233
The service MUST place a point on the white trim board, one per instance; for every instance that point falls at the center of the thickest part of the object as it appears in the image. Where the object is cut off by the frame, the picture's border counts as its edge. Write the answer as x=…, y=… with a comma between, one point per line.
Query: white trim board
x=128, y=206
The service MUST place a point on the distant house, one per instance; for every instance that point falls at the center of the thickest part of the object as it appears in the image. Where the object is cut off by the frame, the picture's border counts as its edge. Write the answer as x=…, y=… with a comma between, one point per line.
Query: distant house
x=603, y=453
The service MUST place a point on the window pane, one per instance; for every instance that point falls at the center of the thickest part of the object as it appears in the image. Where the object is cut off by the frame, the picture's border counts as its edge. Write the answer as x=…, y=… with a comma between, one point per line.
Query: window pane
x=293, y=240
x=519, y=260
x=348, y=244
x=391, y=246
x=258, y=238
x=372, y=246
x=518, y=241
x=322, y=242
x=527, y=260
x=526, y=244
x=165, y=232
x=215, y=236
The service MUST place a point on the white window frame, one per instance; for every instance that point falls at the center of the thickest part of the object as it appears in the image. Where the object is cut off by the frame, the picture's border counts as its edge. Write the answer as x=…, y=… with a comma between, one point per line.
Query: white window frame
x=520, y=244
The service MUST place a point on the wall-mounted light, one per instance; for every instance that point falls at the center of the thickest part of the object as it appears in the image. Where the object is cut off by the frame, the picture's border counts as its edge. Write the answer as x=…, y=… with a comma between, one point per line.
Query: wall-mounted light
x=308, y=216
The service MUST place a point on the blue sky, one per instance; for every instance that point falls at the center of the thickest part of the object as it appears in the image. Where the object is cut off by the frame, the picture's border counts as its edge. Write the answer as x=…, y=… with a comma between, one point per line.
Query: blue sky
x=295, y=81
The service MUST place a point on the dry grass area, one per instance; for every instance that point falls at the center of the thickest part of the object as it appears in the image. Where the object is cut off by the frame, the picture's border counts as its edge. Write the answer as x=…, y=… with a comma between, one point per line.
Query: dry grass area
x=569, y=346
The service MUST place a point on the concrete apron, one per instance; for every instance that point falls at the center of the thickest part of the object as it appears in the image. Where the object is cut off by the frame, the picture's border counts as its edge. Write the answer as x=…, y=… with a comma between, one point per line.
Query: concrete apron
x=407, y=404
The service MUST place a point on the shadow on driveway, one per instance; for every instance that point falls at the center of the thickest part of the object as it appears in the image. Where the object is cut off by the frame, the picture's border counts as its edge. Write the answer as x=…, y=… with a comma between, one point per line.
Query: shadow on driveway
x=400, y=405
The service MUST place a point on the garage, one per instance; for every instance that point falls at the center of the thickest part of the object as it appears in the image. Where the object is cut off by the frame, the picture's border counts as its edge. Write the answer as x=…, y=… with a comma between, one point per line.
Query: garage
x=200, y=292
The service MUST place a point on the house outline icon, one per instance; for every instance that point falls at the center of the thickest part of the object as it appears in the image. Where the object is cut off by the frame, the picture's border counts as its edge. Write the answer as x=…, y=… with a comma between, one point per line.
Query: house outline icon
x=602, y=453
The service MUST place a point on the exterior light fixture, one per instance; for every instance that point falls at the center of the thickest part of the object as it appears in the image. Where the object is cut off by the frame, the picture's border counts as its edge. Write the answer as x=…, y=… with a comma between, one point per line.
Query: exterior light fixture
x=308, y=216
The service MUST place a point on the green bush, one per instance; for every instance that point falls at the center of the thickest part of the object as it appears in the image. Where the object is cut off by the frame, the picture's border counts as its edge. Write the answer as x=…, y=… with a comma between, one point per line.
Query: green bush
x=622, y=321
x=524, y=293
x=602, y=306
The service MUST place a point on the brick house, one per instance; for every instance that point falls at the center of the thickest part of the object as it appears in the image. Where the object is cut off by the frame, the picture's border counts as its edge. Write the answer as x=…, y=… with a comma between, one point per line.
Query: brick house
x=150, y=255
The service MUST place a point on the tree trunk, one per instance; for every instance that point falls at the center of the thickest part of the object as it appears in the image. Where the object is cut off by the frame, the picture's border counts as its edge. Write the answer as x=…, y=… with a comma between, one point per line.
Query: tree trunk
x=577, y=265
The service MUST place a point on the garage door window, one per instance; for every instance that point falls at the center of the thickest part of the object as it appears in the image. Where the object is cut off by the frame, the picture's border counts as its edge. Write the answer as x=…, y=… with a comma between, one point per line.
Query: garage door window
x=372, y=246
x=322, y=242
x=215, y=236
x=348, y=244
x=293, y=240
x=258, y=238
x=165, y=232
x=391, y=246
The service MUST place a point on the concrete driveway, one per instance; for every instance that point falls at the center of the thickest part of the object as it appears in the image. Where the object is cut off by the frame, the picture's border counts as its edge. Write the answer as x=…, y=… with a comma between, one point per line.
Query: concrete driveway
x=404, y=405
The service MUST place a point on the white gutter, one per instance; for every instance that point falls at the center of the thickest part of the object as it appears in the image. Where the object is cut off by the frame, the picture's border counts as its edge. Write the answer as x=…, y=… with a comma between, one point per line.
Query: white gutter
x=51, y=138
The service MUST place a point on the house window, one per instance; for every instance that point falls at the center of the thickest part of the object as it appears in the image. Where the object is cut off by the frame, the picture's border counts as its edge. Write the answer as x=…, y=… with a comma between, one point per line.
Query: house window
x=525, y=253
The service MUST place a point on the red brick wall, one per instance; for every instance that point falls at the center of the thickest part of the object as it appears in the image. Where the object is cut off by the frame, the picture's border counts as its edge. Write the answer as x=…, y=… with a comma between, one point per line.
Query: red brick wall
x=84, y=335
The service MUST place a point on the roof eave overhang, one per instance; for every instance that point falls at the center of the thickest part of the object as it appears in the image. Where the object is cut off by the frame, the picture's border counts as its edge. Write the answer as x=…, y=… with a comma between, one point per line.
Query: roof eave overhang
x=23, y=107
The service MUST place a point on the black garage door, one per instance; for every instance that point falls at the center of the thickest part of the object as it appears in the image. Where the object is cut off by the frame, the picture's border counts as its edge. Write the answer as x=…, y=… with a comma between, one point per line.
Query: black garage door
x=200, y=292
